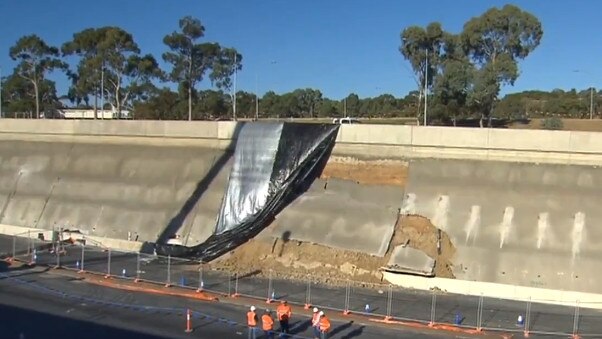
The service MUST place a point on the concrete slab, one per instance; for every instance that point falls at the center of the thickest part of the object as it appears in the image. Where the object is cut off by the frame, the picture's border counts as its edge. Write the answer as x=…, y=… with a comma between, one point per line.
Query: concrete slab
x=342, y=214
x=510, y=221
x=405, y=259
x=109, y=190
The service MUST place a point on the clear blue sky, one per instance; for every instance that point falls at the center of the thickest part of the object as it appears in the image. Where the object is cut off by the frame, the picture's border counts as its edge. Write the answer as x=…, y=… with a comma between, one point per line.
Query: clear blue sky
x=337, y=46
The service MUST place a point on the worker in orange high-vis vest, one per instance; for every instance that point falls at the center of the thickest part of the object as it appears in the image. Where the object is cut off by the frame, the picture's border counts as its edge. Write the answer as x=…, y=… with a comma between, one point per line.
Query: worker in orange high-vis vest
x=324, y=325
x=267, y=324
x=315, y=323
x=252, y=323
x=284, y=313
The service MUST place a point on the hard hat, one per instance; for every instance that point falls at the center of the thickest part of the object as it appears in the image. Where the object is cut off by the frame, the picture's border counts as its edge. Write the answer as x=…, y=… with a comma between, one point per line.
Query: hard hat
x=315, y=309
x=321, y=313
x=252, y=308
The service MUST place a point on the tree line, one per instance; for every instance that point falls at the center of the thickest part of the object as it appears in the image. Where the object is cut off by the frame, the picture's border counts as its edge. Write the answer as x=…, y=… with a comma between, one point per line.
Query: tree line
x=460, y=76
x=110, y=66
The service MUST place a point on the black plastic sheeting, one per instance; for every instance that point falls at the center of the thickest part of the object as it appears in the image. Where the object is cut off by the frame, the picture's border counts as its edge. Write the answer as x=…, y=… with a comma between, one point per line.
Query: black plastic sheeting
x=301, y=149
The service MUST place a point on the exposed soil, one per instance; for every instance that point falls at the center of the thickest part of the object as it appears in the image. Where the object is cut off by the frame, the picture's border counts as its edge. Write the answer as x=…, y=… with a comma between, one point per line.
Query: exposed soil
x=295, y=259
x=420, y=234
x=584, y=125
x=378, y=172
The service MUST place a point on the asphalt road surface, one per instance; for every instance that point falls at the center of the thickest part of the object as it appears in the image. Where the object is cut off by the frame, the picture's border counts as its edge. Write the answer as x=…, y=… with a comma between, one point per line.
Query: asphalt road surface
x=37, y=303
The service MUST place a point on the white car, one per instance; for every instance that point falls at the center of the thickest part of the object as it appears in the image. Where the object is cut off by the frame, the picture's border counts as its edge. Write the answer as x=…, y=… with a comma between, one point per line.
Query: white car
x=346, y=120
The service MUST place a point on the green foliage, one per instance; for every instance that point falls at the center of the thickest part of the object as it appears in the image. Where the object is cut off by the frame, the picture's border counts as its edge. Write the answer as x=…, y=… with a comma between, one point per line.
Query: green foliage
x=224, y=65
x=19, y=100
x=35, y=59
x=110, y=53
x=466, y=71
x=553, y=123
x=190, y=60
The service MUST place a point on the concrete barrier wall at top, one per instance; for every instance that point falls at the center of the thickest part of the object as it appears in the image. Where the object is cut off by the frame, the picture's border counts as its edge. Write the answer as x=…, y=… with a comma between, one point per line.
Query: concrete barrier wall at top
x=138, y=128
x=378, y=141
x=560, y=147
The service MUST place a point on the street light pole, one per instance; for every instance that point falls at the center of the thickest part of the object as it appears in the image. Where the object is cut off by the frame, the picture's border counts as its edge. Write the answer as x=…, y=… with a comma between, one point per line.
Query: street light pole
x=102, y=91
x=591, y=103
x=426, y=76
x=1, y=93
x=256, y=98
x=234, y=94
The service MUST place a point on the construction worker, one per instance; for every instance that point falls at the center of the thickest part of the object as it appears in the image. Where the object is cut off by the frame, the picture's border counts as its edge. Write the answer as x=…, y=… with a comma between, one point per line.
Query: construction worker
x=252, y=322
x=315, y=323
x=284, y=313
x=267, y=324
x=324, y=325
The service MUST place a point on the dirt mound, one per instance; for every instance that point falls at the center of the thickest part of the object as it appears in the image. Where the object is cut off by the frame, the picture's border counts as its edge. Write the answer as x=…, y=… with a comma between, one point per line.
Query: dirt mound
x=419, y=233
x=378, y=172
x=295, y=260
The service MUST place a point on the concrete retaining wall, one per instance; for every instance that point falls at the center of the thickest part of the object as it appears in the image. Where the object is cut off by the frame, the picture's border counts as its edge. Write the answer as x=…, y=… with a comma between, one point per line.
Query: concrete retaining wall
x=524, y=224
x=108, y=190
x=109, y=178
x=342, y=214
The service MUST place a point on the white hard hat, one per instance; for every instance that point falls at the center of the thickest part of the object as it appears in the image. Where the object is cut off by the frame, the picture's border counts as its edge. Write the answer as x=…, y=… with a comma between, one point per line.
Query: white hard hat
x=252, y=308
x=321, y=313
x=315, y=309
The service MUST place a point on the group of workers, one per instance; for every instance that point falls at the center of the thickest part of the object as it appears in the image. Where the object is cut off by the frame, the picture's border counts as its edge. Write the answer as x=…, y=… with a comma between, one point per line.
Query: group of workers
x=319, y=322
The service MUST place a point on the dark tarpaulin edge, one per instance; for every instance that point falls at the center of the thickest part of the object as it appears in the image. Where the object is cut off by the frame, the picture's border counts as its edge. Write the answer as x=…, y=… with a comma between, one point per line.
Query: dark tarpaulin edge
x=301, y=148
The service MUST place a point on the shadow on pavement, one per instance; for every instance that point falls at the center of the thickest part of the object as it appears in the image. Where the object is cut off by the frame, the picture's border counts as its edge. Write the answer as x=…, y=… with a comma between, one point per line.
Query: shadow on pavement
x=300, y=326
x=17, y=323
x=340, y=329
x=355, y=333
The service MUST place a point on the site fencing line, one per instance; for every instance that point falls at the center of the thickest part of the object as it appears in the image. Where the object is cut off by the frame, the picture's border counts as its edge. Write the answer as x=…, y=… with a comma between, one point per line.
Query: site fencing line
x=391, y=304
x=134, y=307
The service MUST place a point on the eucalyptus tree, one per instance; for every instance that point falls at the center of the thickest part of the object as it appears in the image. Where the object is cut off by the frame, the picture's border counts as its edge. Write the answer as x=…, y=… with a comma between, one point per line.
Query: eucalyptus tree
x=495, y=42
x=111, y=55
x=35, y=59
x=189, y=59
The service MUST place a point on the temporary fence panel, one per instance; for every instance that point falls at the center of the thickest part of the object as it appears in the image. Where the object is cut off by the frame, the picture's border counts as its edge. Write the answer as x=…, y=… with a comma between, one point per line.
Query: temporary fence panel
x=528, y=316
x=414, y=306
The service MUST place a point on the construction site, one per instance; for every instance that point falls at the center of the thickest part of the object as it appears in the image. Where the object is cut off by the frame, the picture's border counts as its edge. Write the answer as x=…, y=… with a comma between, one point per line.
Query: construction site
x=418, y=207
